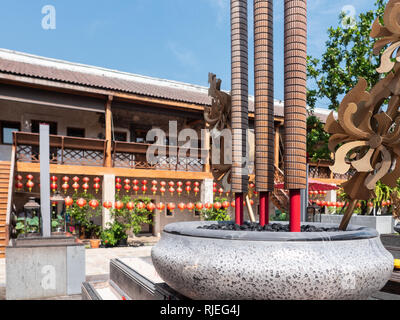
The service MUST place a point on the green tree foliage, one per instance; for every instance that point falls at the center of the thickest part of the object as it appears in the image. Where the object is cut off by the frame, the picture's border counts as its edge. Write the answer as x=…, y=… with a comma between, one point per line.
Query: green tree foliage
x=216, y=214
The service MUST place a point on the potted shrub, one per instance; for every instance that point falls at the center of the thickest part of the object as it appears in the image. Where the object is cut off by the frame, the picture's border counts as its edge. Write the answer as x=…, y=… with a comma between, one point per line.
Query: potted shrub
x=114, y=235
x=95, y=232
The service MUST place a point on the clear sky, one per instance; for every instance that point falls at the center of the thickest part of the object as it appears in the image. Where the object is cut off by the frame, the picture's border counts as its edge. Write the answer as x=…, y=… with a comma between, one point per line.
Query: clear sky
x=180, y=40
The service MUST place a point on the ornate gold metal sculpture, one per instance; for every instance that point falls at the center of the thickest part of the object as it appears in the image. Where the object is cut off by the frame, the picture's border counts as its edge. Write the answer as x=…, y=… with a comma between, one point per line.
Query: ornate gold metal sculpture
x=369, y=131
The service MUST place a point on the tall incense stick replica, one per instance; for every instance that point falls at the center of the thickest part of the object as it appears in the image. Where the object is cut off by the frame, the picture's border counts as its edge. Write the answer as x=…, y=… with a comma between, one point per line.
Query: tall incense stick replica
x=295, y=79
x=370, y=136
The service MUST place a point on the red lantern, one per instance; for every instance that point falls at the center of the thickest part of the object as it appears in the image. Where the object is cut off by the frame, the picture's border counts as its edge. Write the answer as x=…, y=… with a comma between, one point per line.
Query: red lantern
x=384, y=203
x=190, y=206
x=53, y=179
x=217, y=205
x=214, y=190
x=96, y=187
x=29, y=177
x=171, y=190
x=93, y=203
x=171, y=183
x=81, y=202
x=255, y=193
x=163, y=184
x=127, y=187
x=144, y=182
x=107, y=204
x=144, y=189
x=136, y=188
x=97, y=180
x=196, y=190
x=220, y=190
x=251, y=185
x=162, y=190
x=181, y=206
x=130, y=205
x=323, y=203
x=225, y=204
x=75, y=179
x=179, y=190
x=179, y=183
x=65, y=187
x=151, y=207
x=68, y=202
x=233, y=204
x=199, y=206
x=85, y=187
x=18, y=178
x=54, y=187
x=171, y=206
x=154, y=189
x=118, y=186
x=160, y=206
x=251, y=202
x=135, y=182
x=65, y=179
x=154, y=182
x=127, y=181
x=19, y=185
x=188, y=189
x=214, y=184
x=196, y=184
x=119, y=205
x=75, y=186
x=118, y=180
x=140, y=205
x=86, y=180
x=318, y=202
x=30, y=185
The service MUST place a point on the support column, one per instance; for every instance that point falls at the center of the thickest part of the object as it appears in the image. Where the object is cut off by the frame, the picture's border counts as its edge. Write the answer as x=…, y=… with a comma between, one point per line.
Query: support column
x=108, y=190
x=277, y=145
x=44, y=149
x=264, y=103
x=108, y=118
x=240, y=97
x=206, y=137
x=206, y=190
x=295, y=81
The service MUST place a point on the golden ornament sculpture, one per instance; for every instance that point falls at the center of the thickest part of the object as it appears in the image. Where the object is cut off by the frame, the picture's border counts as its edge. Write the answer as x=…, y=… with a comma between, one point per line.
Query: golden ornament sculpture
x=367, y=128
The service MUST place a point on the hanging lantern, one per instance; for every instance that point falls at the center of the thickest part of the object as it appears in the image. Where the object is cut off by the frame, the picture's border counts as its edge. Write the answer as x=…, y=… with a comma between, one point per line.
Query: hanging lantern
x=68, y=202
x=29, y=177
x=318, y=202
x=107, y=204
x=196, y=184
x=53, y=179
x=127, y=181
x=93, y=203
x=251, y=202
x=214, y=184
x=220, y=190
x=208, y=205
x=251, y=185
x=135, y=182
x=144, y=189
x=85, y=187
x=199, y=206
x=233, y=204
x=118, y=186
x=118, y=180
x=65, y=179
x=119, y=205
x=154, y=189
x=179, y=190
x=127, y=187
x=19, y=185
x=86, y=180
x=196, y=190
x=190, y=206
x=75, y=179
x=96, y=180
x=96, y=187
x=323, y=203
x=217, y=205
x=181, y=206
x=130, y=205
x=163, y=184
x=151, y=207
x=54, y=187
x=171, y=190
x=75, y=186
x=136, y=189
x=154, y=183
x=179, y=184
x=140, y=205
x=18, y=177
x=160, y=206
x=144, y=182
x=384, y=203
x=162, y=190
x=81, y=202
x=30, y=185
x=188, y=188
x=225, y=204
x=214, y=190
x=65, y=187
x=171, y=206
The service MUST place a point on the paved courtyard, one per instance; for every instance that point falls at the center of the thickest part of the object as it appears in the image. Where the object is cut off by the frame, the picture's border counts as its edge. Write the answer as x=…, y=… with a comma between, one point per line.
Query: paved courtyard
x=97, y=264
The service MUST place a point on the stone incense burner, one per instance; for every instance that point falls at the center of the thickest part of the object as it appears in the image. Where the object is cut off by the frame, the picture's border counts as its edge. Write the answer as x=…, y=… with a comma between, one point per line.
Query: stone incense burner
x=240, y=265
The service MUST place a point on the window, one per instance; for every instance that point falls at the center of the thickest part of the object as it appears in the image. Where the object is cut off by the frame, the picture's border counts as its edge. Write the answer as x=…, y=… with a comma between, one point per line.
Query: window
x=139, y=133
x=76, y=132
x=7, y=128
x=120, y=136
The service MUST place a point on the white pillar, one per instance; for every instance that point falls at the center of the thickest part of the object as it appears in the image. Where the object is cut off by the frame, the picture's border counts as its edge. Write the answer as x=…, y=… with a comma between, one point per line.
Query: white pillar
x=108, y=195
x=45, y=179
x=207, y=191
x=330, y=197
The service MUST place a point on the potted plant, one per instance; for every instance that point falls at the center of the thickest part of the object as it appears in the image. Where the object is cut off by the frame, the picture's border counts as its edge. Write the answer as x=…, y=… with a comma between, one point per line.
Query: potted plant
x=95, y=232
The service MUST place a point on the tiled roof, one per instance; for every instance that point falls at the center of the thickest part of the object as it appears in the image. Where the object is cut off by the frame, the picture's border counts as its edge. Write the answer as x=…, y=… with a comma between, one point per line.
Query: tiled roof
x=24, y=64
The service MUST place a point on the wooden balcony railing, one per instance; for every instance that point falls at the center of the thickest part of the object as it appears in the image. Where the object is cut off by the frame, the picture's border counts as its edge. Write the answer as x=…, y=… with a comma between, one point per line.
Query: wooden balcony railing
x=91, y=152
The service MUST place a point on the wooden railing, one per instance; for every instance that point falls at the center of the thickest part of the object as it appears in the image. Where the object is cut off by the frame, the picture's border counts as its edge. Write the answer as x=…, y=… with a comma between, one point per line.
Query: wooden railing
x=321, y=170
x=91, y=152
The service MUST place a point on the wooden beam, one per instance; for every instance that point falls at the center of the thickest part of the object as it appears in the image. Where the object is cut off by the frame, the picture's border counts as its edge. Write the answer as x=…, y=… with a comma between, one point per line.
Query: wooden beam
x=108, y=118
x=121, y=172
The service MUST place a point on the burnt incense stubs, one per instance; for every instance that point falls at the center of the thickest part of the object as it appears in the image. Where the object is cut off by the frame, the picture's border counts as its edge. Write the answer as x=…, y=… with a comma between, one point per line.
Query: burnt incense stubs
x=295, y=74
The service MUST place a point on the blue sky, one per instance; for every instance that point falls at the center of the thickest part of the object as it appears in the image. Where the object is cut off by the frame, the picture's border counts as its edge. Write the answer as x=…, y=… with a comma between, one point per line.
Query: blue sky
x=180, y=40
